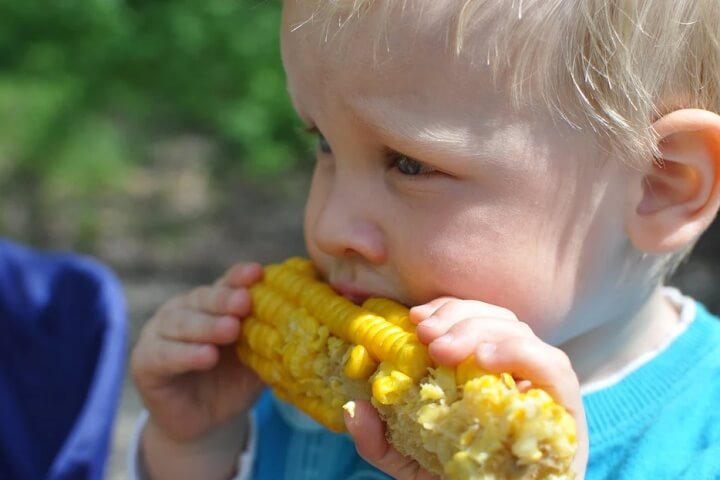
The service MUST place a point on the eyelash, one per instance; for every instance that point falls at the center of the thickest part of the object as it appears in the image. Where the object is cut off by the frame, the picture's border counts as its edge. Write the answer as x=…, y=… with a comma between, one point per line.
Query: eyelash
x=392, y=157
x=313, y=130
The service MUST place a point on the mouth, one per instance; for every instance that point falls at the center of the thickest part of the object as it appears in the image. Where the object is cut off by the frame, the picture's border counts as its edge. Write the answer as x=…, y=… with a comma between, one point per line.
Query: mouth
x=350, y=292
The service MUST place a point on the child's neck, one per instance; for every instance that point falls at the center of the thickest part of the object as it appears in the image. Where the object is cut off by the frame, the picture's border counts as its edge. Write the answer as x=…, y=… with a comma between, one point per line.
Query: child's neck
x=624, y=340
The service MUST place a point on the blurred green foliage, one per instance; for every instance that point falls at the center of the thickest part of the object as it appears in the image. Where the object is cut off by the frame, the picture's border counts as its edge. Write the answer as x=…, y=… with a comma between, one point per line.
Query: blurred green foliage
x=86, y=85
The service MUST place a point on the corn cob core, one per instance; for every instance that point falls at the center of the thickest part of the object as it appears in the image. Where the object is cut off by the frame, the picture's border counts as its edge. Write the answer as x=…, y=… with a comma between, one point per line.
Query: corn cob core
x=318, y=351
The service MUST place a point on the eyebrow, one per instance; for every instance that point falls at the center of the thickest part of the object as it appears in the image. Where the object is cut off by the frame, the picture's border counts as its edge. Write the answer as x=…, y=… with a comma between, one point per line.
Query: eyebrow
x=398, y=131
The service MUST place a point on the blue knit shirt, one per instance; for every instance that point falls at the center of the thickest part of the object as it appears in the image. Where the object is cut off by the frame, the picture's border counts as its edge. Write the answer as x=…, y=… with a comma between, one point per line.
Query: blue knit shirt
x=662, y=421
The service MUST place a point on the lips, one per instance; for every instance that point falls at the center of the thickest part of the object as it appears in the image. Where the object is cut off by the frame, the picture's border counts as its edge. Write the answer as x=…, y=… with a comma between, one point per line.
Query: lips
x=354, y=294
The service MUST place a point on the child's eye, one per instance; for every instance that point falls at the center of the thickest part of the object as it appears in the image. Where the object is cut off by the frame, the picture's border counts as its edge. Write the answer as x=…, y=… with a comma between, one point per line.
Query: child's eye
x=323, y=144
x=409, y=166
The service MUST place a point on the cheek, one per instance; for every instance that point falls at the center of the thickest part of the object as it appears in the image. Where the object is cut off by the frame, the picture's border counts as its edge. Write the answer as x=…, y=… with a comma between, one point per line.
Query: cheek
x=313, y=207
x=514, y=265
x=540, y=298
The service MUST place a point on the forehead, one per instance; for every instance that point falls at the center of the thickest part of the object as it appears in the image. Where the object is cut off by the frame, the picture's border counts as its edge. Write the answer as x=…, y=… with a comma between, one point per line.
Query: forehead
x=404, y=53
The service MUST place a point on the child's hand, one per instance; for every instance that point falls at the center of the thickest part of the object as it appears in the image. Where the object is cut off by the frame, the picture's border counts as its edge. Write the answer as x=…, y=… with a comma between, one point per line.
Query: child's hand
x=454, y=329
x=184, y=364
x=368, y=432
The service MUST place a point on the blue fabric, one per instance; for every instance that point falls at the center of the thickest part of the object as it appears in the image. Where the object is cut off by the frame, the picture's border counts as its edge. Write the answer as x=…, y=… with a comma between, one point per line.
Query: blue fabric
x=287, y=453
x=62, y=350
x=660, y=422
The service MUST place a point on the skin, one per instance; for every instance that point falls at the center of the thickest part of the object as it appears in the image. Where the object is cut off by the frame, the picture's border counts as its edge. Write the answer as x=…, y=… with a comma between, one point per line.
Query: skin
x=514, y=237
x=184, y=368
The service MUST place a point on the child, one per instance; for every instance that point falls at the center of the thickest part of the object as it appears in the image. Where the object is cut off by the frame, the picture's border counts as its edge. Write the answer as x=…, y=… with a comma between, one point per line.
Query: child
x=525, y=174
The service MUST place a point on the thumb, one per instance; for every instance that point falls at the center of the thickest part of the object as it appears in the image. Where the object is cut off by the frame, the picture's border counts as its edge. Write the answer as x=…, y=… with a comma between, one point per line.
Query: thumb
x=368, y=432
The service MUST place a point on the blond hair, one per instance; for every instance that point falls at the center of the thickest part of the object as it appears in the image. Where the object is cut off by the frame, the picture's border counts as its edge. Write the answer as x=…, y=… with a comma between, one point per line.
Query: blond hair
x=613, y=66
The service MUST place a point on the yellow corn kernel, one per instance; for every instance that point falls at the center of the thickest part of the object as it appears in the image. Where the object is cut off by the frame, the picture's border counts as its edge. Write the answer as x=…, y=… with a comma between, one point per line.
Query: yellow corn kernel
x=360, y=365
x=466, y=370
x=389, y=384
x=350, y=408
x=391, y=311
x=301, y=265
x=320, y=351
x=261, y=337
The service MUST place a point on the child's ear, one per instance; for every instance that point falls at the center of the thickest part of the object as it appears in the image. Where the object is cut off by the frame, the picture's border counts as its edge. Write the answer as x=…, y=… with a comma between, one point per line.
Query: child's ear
x=680, y=192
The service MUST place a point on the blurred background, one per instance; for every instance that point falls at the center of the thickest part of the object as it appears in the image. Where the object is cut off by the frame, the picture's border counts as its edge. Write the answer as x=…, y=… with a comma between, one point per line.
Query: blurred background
x=158, y=137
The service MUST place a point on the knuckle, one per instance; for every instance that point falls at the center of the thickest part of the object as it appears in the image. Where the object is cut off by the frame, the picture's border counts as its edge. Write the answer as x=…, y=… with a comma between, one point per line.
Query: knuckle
x=162, y=357
x=222, y=300
x=194, y=296
x=214, y=299
x=148, y=330
x=525, y=328
x=177, y=325
x=241, y=274
x=451, y=311
x=562, y=360
x=137, y=373
x=237, y=269
x=435, y=304
x=207, y=298
x=136, y=363
x=174, y=302
x=506, y=313
x=140, y=363
x=466, y=325
x=524, y=346
x=457, y=304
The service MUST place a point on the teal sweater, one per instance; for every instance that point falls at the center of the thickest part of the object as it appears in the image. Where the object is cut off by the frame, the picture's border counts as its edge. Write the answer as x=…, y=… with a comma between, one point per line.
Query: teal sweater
x=663, y=420
x=660, y=422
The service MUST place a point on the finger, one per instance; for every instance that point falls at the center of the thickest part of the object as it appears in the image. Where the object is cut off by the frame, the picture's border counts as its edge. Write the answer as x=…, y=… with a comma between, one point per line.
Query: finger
x=198, y=327
x=421, y=312
x=437, y=325
x=461, y=339
x=471, y=308
x=218, y=300
x=545, y=366
x=452, y=311
x=368, y=431
x=241, y=275
x=169, y=357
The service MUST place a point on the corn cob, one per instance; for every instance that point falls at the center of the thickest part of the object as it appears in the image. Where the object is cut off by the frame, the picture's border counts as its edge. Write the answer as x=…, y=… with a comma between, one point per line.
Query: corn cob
x=319, y=351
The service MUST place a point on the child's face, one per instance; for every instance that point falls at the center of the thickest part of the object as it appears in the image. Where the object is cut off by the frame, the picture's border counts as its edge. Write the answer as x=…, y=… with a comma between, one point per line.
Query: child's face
x=435, y=186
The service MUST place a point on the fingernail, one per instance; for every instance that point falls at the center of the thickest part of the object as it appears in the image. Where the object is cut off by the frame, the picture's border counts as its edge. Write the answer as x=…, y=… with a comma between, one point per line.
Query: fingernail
x=419, y=310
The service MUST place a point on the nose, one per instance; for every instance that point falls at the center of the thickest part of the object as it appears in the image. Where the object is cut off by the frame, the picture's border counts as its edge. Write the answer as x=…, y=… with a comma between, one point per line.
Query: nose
x=347, y=223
